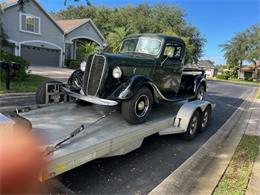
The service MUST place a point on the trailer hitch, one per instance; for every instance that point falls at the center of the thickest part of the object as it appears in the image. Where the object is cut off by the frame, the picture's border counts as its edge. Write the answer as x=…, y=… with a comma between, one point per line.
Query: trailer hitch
x=49, y=150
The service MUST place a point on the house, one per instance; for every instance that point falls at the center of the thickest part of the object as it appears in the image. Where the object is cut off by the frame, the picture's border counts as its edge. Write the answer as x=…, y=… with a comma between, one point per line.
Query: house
x=42, y=40
x=207, y=65
x=250, y=72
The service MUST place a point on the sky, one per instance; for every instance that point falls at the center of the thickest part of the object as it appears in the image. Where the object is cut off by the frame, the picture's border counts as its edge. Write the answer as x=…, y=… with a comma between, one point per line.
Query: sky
x=217, y=20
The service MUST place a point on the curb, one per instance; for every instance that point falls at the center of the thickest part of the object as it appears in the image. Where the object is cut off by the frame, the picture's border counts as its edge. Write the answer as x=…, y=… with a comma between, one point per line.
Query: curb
x=200, y=173
x=243, y=84
x=17, y=94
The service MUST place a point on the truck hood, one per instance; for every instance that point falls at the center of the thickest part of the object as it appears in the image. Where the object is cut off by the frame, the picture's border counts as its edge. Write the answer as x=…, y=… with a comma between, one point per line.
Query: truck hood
x=128, y=59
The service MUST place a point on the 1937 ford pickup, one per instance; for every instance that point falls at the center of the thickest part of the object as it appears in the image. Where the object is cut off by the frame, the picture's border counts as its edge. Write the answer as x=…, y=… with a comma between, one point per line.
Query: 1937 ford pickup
x=148, y=69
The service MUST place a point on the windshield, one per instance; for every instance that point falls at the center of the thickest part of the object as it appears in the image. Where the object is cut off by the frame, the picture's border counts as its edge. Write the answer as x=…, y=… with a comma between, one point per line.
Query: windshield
x=141, y=45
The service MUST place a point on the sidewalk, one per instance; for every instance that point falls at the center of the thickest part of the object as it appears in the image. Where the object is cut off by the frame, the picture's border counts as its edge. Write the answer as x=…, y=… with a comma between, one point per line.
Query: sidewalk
x=254, y=129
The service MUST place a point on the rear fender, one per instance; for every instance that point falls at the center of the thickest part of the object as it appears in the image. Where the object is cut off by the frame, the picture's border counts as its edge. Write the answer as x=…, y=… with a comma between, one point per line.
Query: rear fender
x=199, y=80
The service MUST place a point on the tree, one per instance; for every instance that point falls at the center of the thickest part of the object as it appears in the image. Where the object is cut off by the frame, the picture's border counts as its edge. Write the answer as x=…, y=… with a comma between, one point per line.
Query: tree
x=114, y=38
x=87, y=49
x=3, y=36
x=243, y=46
x=143, y=18
x=253, y=43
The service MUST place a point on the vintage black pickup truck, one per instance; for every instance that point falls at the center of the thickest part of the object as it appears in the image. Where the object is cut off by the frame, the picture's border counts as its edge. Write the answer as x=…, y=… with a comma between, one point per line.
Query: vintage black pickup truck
x=148, y=69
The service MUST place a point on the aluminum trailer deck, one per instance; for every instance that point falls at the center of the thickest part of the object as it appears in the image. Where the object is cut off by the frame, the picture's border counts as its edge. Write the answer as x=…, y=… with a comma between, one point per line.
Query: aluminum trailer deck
x=111, y=136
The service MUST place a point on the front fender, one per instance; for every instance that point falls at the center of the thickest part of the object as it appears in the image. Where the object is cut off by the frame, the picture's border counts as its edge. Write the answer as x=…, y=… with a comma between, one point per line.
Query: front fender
x=127, y=89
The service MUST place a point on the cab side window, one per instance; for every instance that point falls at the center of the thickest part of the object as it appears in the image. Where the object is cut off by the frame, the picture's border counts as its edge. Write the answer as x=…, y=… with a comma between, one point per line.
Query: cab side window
x=173, y=51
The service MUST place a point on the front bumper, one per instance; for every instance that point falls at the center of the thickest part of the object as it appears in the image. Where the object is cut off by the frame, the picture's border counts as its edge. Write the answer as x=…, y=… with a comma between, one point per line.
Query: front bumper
x=89, y=98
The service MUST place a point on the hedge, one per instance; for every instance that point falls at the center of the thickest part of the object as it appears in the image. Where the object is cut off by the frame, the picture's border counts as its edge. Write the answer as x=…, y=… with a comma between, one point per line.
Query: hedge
x=73, y=64
x=222, y=76
x=9, y=57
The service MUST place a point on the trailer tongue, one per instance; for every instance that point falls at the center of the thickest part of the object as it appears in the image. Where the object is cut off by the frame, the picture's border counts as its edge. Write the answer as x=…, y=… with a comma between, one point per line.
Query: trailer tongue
x=74, y=135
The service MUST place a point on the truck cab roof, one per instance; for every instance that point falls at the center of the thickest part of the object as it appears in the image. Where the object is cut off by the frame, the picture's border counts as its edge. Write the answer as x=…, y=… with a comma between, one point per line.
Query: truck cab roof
x=162, y=37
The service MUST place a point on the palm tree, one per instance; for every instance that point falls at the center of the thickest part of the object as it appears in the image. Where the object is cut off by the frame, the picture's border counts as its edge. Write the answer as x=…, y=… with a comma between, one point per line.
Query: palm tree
x=114, y=38
x=235, y=50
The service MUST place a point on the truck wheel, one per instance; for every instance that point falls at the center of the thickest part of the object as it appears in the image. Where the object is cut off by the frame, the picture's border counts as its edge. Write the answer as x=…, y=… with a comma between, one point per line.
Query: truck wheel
x=192, y=127
x=138, y=108
x=75, y=80
x=205, y=118
x=41, y=92
x=200, y=93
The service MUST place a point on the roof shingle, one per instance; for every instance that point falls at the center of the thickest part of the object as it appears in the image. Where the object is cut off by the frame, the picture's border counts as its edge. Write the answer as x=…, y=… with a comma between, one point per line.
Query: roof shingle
x=68, y=25
x=6, y=3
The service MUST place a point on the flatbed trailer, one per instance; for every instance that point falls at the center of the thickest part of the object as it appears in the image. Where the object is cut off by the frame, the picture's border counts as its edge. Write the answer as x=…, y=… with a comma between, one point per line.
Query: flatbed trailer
x=110, y=136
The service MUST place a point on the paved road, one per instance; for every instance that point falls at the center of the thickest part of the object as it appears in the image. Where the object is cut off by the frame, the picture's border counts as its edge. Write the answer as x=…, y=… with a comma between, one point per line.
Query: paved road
x=141, y=170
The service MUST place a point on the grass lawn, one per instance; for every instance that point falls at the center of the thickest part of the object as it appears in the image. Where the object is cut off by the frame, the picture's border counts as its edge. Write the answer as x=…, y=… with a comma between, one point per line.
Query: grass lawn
x=237, y=81
x=29, y=84
x=258, y=94
x=237, y=174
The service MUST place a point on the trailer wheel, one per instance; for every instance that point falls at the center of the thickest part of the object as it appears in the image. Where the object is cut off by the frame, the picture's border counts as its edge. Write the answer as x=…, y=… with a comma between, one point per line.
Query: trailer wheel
x=192, y=127
x=138, y=108
x=41, y=92
x=205, y=118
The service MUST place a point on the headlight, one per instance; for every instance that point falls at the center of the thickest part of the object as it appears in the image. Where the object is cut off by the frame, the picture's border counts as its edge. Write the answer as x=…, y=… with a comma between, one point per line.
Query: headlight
x=117, y=72
x=83, y=66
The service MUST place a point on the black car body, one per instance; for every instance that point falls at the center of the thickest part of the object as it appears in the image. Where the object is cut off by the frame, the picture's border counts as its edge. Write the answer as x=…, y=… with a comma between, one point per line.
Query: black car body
x=149, y=68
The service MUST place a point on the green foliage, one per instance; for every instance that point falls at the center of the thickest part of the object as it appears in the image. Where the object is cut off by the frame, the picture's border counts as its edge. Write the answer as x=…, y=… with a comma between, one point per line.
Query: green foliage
x=114, y=38
x=28, y=84
x=8, y=57
x=258, y=94
x=223, y=76
x=87, y=49
x=243, y=46
x=3, y=35
x=236, y=177
x=73, y=64
x=115, y=23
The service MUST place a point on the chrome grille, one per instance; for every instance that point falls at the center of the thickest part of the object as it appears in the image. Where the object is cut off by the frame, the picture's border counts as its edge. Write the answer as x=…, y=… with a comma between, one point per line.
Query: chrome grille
x=95, y=78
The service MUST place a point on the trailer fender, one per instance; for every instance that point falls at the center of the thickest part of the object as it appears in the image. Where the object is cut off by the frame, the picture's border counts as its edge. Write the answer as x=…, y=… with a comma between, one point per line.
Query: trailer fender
x=183, y=117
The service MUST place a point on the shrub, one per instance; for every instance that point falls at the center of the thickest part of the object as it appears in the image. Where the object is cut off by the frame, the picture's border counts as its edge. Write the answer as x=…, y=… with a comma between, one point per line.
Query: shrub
x=73, y=64
x=248, y=79
x=17, y=74
x=222, y=76
x=87, y=49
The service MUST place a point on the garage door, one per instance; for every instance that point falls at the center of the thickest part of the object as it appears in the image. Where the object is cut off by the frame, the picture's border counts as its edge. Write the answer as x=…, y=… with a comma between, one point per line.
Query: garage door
x=38, y=56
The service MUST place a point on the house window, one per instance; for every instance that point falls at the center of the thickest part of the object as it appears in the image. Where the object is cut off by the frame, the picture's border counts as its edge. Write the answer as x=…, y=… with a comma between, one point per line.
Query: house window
x=30, y=23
